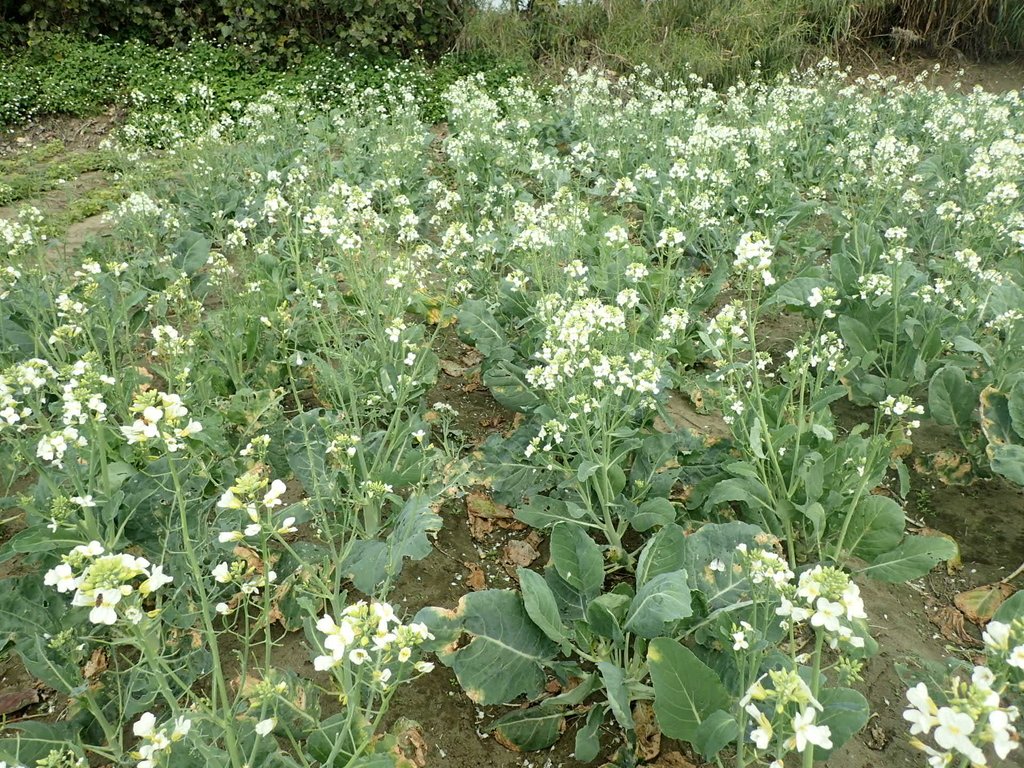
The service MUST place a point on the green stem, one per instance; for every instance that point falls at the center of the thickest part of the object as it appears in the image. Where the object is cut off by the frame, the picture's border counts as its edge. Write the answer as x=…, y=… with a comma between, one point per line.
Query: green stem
x=220, y=689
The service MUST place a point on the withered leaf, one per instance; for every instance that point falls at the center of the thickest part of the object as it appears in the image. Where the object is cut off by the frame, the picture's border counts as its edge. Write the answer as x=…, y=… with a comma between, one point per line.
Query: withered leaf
x=980, y=604
x=96, y=665
x=648, y=735
x=477, y=579
x=14, y=700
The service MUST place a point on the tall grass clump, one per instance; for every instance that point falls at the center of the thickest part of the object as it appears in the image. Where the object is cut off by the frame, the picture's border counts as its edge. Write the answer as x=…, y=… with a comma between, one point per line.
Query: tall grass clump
x=718, y=41
x=723, y=40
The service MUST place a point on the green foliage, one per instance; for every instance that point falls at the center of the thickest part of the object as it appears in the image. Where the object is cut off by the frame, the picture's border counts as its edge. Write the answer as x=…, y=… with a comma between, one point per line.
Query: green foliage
x=274, y=30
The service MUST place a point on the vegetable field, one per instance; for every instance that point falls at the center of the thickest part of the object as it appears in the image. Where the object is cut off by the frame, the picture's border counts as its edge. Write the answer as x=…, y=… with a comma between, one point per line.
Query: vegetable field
x=614, y=421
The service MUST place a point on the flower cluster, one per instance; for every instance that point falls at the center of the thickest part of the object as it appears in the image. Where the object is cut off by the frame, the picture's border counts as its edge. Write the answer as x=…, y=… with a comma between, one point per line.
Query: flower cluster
x=371, y=634
x=754, y=256
x=252, y=494
x=160, y=417
x=827, y=598
x=156, y=743
x=783, y=712
x=102, y=582
x=974, y=715
x=901, y=409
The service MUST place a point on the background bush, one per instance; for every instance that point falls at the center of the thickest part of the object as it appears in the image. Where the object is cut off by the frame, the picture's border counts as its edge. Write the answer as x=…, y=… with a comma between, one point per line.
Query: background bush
x=272, y=30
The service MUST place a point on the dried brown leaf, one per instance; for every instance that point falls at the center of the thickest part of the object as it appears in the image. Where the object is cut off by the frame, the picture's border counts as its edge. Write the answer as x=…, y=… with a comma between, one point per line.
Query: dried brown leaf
x=648, y=735
x=950, y=623
x=672, y=760
x=477, y=579
x=980, y=604
x=96, y=665
x=14, y=700
x=452, y=369
x=519, y=553
x=410, y=744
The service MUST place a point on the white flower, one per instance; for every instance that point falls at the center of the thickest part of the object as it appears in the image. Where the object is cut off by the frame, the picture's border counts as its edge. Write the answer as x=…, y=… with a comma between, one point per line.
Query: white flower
x=103, y=612
x=424, y=666
x=358, y=655
x=954, y=730
x=1016, y=657
x=264, y=727
x=273, y=496
x=762, y=735
x=62, y=577
x=997, y=635
x=922, y=715
x=182, y=726
x=221, y=574
x=323, y=663
x=228, y=500
x=157, y=578
x=806, y=732
x=145, y=725
x=225, y=537
x=827, y=615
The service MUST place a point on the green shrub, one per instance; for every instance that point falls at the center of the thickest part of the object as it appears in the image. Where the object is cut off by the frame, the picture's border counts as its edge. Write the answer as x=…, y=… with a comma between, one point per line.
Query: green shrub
x=270, y=30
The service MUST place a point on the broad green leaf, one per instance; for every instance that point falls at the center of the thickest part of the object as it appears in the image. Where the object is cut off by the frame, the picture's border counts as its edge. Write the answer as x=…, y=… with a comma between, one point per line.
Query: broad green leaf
x=686, y=690
x=661, y=601
x=719, y=730
x=540, y=604
x=531, y=729
x=577, y=558
x=876, y=526
x=618, y=697
x=951, y=400
x=511, y=477
x=754, y=439
x=795, y=292
x=588, y=743
x=543, y=512
x=507, y=383
x=605, y=615
x=911, y=559
x=576, y=696
x=372, y=562
x=716, y=544
x=616, y=478
x=572, y=605
x=748, y=490
x=964, y=344
x=845, y=711
x=858, y=337
x=506, y=656
x=366, y=565
x=191, y=252
x=1015, y=405
x=410, y=535
x=586, y=470
x=996, y=420
x=1008, y=461
x=477, y=323
x=306, y=441
x=656, y=511
x=1012, y=609
x=663, y=553
x=39, y=539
